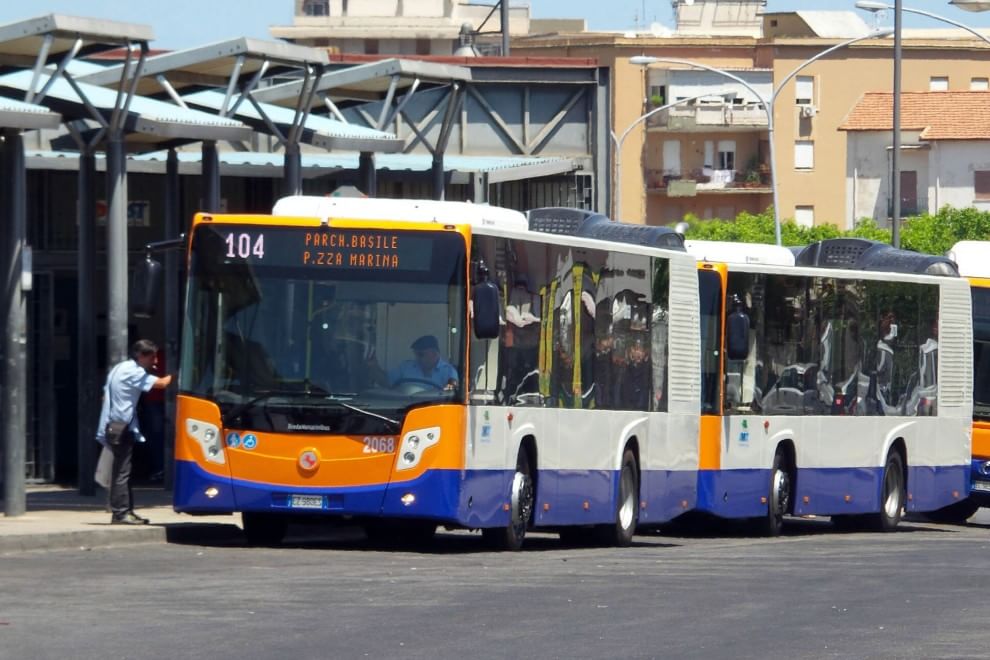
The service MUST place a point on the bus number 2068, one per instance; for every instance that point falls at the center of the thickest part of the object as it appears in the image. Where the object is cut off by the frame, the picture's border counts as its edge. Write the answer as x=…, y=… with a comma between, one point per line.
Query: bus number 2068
x=379, y=445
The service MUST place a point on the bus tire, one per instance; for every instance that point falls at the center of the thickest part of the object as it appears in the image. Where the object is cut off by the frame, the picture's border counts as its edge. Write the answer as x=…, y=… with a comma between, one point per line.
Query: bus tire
x=620, y=533
x=521, y=497
x=956, y=513
x=778, y=497
x=892, y=495
x=263, y=529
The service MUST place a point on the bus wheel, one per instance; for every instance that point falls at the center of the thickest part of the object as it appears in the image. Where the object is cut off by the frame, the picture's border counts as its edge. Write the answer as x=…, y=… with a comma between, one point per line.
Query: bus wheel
x=892, y=495
x=956, y=513
x=778, y=499
x=621, y=532
x=512, y=535
x=263, y=528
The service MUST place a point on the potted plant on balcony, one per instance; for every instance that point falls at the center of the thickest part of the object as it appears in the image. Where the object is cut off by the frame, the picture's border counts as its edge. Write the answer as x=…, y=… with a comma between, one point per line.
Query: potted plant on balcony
x=656, y=100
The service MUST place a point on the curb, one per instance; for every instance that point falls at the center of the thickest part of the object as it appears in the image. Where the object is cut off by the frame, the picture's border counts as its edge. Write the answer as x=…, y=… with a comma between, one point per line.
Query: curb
x=83, y=540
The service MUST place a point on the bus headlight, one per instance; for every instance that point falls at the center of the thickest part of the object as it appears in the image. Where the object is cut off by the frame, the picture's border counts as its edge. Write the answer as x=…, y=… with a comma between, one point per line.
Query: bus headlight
x=207, y=436
x=414, y=443
x=985, y=468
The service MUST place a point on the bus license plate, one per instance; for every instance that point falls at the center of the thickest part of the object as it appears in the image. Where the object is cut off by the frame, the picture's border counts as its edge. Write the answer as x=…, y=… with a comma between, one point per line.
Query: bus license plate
x=981, y=485
x=306, y=502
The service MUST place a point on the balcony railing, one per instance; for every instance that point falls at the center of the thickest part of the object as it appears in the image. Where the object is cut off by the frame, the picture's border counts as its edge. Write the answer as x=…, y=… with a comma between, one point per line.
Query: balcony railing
x=702, y=116
x=688, y=184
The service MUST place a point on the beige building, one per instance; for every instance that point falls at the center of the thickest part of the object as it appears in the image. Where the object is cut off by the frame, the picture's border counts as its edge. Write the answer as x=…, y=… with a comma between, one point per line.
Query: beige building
x=808, y=110
x=397, y=27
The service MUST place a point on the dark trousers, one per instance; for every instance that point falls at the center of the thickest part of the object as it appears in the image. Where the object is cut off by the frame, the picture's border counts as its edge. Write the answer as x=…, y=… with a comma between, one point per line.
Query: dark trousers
x=121, y=498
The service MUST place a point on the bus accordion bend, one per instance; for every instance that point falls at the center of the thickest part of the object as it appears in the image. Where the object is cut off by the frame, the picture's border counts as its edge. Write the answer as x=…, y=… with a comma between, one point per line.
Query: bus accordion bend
x=404, y=364
x=836, y=381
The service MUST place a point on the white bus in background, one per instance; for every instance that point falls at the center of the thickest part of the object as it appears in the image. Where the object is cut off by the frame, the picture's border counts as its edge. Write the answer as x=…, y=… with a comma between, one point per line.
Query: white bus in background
x=817, y=394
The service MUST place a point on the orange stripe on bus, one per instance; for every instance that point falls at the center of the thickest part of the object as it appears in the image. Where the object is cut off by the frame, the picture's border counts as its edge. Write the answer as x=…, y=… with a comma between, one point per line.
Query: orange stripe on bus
x=710, y=443
x=981, y=440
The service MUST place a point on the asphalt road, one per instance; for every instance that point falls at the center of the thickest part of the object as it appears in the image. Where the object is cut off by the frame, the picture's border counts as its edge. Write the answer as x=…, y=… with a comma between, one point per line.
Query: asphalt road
x=813, y=593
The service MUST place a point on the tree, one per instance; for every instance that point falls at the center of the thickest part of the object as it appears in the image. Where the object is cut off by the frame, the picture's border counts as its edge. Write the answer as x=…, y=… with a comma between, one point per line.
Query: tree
x=930, y=234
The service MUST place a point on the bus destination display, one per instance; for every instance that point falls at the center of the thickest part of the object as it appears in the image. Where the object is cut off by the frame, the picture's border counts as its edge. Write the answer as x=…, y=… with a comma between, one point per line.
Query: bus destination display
x=328, y=248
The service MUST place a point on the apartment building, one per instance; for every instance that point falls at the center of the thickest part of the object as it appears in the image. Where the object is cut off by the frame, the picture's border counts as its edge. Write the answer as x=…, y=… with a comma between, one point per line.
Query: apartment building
x=710, y=156
x=399, y=27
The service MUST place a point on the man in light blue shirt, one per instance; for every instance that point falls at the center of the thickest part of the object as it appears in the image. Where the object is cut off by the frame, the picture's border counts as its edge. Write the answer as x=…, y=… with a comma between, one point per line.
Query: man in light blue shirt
x=126, y=382
x=427, y=366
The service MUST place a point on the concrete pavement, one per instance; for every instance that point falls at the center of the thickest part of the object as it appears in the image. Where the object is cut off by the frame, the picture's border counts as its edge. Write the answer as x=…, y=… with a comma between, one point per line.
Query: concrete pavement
x=59, y=518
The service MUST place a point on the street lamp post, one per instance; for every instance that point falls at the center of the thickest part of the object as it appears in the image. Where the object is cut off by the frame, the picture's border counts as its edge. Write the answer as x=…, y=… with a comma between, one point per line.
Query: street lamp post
x=767, y=103
x=617, y=142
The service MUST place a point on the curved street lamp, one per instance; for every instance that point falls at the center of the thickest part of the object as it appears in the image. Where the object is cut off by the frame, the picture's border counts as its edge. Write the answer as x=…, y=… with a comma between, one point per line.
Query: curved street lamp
x=767, y=103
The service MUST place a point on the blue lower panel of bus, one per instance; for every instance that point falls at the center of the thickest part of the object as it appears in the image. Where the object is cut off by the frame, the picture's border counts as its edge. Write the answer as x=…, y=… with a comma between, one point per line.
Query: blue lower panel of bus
x=979, y=482
x=829, y=491
x=471, y=498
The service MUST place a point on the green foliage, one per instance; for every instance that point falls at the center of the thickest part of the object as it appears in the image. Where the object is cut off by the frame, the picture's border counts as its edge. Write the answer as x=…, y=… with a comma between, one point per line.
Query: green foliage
x=935, y=234
x=656, y=100
x=931, y=234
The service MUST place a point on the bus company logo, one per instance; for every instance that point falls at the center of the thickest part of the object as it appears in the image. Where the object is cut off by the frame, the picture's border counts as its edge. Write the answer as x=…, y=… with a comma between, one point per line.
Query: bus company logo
x=308, y=427
x=250, y=441
x=309, y=460
x=233, y=439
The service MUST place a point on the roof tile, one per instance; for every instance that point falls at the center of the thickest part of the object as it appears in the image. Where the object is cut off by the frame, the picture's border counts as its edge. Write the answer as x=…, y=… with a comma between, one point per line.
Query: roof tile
x=938, y=115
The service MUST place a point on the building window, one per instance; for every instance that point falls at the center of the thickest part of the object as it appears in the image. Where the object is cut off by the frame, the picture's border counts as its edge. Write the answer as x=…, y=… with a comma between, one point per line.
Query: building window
x=423, y=46
x=726, y=157
x=938, y=84
x=804, y=155
x=371, y=46
x=804, y=90
x=316, y=8
x=979, y=84
x=981, y=185
x=804, y=216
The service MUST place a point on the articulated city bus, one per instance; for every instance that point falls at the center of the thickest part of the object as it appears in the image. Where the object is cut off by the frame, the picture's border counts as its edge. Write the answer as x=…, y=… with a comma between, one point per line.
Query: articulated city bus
x=831, y=385
x=973, y=260
x=406, y=364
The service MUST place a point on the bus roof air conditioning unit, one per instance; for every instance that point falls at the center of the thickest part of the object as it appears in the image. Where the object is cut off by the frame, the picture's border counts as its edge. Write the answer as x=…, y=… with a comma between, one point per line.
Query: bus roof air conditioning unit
x=588, y=224
x=863, y=254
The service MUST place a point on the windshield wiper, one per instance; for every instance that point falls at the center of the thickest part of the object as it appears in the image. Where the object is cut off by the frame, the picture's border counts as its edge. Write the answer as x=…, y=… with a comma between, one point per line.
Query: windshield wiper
x=238, y=410
x=367, y=413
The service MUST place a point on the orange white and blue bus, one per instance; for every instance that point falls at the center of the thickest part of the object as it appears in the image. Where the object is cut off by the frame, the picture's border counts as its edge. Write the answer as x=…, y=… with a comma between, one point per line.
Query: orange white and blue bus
x=569, y=348
x=836, y=381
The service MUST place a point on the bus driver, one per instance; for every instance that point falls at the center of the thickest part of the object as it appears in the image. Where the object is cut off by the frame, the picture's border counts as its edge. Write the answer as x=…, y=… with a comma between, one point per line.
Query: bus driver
x=427, y=366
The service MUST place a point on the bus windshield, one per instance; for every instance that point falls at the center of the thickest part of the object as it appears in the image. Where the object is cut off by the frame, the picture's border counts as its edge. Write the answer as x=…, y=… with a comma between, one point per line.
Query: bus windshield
x=981, y=354
x=301, y=329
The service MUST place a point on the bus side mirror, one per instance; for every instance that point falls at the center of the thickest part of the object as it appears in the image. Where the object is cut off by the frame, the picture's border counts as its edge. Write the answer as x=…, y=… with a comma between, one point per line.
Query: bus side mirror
x=485, y=305
x=146, y=285
x=737, y=336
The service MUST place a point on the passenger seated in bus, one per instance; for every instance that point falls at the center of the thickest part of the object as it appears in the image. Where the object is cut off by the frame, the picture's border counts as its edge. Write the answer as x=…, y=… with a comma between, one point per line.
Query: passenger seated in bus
x=885, y=362
x=637, y=378
x=521, y=335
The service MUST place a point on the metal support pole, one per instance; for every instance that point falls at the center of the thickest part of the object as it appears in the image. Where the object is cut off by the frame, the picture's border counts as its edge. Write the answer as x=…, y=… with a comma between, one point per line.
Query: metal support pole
x=437, y=177
x=504, y=21
x=211, y=177
x=15, y=340
x=895, y=157
x=117, y=253
x=87, y=376
x=173, y=224
x=368, y=174
x=292, y=169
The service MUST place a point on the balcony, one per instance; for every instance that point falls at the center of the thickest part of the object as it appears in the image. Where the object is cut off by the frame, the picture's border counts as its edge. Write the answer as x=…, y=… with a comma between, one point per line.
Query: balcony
x=708, y=117
x=707, y=181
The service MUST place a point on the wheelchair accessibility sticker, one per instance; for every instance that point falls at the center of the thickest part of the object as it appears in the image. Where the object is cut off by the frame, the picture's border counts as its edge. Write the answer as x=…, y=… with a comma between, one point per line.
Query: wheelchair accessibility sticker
x=233, y=439
x=249, y=441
